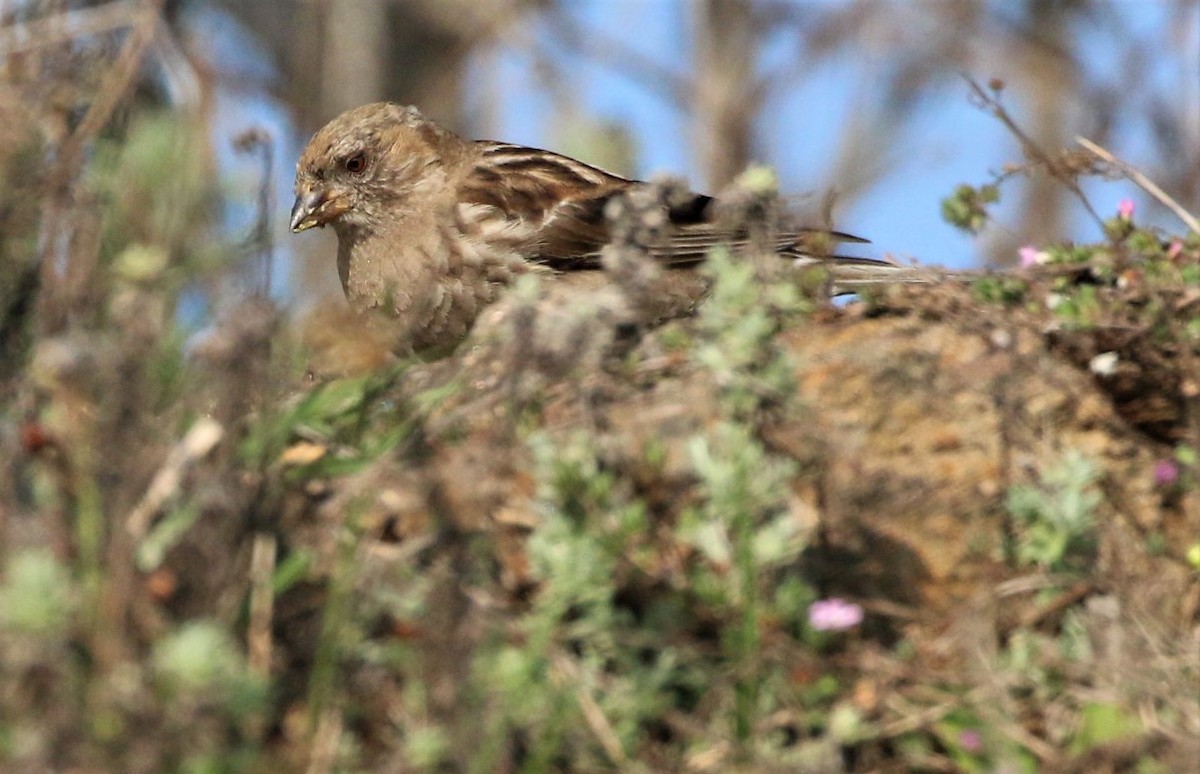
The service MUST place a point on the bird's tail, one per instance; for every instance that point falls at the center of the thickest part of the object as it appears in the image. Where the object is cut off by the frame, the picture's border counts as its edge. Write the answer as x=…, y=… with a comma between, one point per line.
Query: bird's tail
x=848, y=274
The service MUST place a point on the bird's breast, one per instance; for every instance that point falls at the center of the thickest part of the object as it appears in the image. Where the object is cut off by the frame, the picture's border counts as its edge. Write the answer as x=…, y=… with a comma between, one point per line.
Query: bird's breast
x=431, y=279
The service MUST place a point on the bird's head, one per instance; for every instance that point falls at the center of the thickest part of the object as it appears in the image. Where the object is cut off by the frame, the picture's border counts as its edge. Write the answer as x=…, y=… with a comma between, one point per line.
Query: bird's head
x=363, y=166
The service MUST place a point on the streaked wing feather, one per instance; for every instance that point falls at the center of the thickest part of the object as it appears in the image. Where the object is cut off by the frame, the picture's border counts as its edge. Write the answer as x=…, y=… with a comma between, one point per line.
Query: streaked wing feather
x=562, y=202
x=574, y=234
x=561, y=199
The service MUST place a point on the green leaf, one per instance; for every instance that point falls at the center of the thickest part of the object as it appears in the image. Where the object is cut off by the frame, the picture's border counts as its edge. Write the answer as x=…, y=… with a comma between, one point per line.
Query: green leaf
x=1100, y=723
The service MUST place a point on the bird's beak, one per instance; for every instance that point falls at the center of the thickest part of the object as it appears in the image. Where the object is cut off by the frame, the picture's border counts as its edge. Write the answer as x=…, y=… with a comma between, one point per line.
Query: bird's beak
x=317, y=208
x=305, y=213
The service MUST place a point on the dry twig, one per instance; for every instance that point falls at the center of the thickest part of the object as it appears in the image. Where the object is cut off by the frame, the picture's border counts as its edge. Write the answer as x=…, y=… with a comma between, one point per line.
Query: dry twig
x=114, y=86
x=593, y=714
x=198, y=442
x=68, y=26
x=262, y=604
x=992, y=104
x=1143, y=182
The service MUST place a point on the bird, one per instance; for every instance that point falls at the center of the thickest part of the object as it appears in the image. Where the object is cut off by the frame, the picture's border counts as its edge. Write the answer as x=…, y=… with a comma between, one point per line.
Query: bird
x=433, y=227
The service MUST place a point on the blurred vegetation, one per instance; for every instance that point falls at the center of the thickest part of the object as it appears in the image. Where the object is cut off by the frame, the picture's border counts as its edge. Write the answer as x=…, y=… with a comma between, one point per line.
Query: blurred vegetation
x=608, y=554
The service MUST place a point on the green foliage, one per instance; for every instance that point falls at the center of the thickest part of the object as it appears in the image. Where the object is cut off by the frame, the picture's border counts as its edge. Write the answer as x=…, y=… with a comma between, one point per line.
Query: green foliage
x=743, y=528
x=582, y=649
x=1100, y=723
x=1190, y=274
x=1073, y=254
x=23, y=161
x=165, y=534
x=131, y=678
x=737, y=325
x=961, y=733
x=201, y=662
x=967, y=208
x=340, y=636
x=1080, y=307
x=738, y=476
x=575, y=640
x=348, y=414
x=1056, y=516
x=37, y=597
x=1000, y=289
x=157, y=190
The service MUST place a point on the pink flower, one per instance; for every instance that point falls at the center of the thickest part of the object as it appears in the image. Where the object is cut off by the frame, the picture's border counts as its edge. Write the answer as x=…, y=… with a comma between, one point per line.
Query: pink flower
x=1125, y=209
x=834, y=615
x=1166, y=472
x=1031, y=256
x=1175, y=249
x=971, y=740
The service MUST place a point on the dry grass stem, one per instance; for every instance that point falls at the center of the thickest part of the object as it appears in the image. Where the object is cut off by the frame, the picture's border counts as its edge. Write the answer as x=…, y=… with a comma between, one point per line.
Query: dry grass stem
x=201, y=438
x=1143, y=182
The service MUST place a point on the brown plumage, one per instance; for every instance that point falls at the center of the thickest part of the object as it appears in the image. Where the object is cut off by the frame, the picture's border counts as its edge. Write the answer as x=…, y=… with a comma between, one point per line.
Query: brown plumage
x=432, y=227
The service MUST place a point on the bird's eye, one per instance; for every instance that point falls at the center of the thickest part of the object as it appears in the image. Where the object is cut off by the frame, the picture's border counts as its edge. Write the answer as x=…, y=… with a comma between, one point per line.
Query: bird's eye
x=356, y=163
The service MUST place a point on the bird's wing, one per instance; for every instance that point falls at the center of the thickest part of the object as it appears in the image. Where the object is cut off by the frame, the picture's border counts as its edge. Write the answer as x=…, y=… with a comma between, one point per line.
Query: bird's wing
x=553, y=205
x=575, y=231
x=559, y=205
